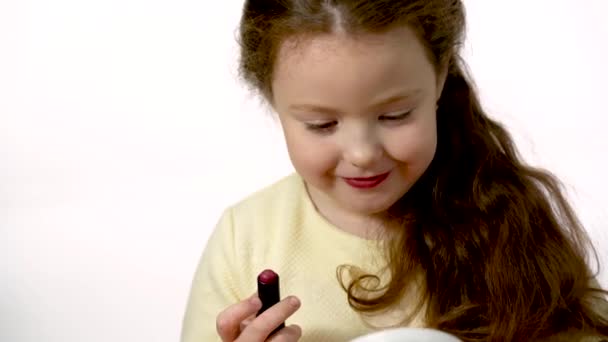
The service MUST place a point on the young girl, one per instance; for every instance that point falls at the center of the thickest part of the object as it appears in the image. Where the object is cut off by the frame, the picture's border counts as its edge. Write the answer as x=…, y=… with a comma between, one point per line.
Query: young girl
x=409, y=205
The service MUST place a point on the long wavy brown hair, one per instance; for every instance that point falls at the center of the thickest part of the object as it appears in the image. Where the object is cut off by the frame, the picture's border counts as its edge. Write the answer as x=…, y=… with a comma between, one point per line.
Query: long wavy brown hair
x=501, y=252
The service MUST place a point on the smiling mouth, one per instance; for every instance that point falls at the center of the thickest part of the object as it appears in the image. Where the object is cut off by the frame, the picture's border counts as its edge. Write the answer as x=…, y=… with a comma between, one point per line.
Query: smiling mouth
x=367, y=182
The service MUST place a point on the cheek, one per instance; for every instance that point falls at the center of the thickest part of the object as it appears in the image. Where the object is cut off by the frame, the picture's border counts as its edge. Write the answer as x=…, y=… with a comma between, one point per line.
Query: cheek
x=309, y=155
x=415, y=145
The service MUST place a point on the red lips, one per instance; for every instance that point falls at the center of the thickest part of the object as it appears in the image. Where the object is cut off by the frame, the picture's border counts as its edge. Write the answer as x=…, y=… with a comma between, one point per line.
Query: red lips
x=366, y=183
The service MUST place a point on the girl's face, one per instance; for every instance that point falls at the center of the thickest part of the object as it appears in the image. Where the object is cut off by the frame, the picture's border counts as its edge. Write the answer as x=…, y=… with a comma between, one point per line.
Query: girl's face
x=358, y=107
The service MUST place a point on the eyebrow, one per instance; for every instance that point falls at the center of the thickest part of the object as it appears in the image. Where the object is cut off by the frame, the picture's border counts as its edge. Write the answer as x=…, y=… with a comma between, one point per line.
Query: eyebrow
x=332, y=111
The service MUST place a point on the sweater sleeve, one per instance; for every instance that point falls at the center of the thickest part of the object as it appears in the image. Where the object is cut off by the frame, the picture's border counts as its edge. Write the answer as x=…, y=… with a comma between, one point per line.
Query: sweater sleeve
x=214, y=286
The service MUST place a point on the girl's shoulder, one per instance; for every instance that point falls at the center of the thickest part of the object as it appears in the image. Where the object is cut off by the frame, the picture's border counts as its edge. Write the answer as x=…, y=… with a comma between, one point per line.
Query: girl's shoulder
x=281, y=206
x=273, y=197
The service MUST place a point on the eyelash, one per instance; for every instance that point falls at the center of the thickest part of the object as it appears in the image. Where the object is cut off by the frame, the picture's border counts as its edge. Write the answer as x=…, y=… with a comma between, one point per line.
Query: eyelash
x=327, y=126
x=324, y=127
x=397, y=117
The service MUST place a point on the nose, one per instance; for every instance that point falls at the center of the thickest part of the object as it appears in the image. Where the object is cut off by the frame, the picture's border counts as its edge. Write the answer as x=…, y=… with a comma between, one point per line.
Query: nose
x=363, y=150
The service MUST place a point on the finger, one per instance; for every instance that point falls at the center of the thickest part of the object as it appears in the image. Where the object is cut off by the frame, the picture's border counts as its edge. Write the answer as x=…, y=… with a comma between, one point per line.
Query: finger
x=262, y=326
x=287, y=334
x=228, y=321
x=246, y=322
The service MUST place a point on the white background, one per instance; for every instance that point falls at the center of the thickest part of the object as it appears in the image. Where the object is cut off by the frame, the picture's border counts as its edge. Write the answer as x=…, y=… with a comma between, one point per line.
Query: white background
x=124, y=133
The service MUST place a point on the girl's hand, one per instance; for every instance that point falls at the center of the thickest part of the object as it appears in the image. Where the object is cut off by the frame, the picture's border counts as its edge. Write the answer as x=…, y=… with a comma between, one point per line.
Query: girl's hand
x=238, y=323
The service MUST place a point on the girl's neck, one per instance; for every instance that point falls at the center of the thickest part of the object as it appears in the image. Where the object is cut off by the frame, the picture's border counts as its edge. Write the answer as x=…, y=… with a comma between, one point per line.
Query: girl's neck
x=361, y=225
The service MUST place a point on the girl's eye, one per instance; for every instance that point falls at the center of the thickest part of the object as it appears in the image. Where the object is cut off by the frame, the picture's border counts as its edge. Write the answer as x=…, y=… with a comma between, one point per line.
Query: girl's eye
x=322, y=127
x=396, y=117
x=327, y=127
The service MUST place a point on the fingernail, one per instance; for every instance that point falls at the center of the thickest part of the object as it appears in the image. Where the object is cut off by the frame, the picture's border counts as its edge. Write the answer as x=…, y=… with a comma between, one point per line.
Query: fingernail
x=293, y=301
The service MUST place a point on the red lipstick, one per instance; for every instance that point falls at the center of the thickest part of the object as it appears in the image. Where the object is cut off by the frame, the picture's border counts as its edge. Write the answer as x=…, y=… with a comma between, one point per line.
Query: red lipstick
x=366, y=183
x=268, y=291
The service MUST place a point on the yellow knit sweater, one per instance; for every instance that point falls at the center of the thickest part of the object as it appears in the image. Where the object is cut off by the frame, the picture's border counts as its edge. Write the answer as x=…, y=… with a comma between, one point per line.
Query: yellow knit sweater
x=279, y=228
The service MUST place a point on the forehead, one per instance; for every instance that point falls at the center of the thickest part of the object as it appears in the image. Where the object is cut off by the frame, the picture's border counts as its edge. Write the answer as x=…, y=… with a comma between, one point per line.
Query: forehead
x=337, y=66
